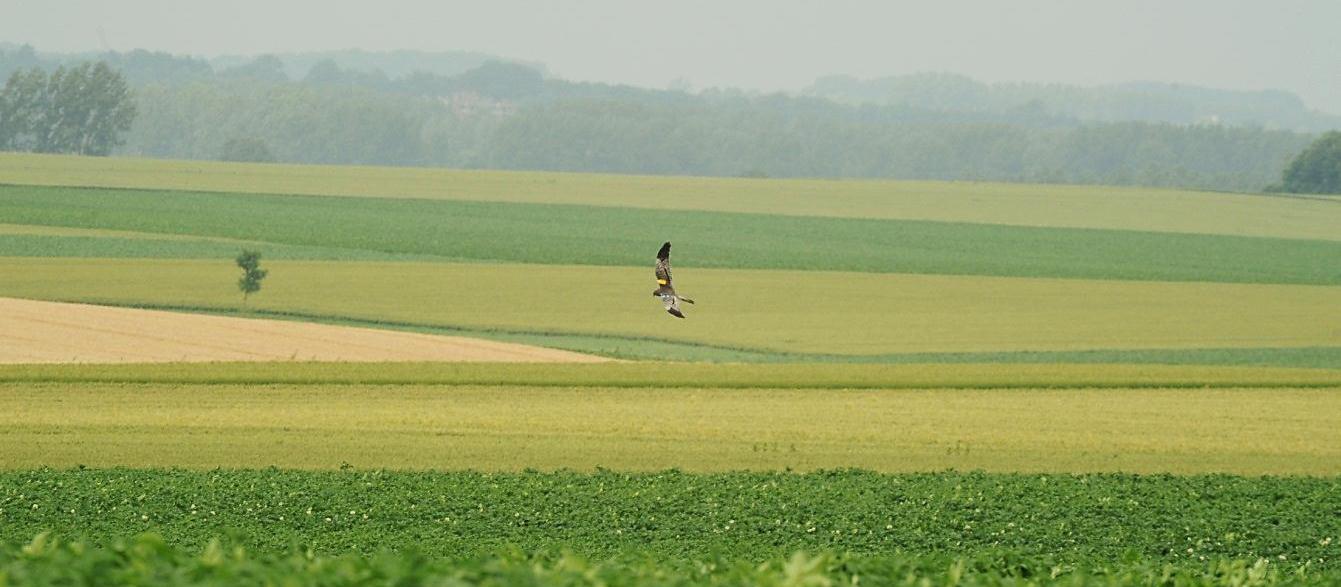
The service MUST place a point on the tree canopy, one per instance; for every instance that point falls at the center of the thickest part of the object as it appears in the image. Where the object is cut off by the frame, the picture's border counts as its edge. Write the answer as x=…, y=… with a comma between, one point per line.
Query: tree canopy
x=1317, y=170
x=83, y=109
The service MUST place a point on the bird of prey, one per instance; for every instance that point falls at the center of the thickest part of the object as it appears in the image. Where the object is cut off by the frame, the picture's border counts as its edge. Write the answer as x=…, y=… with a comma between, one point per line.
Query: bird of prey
x=664, y=289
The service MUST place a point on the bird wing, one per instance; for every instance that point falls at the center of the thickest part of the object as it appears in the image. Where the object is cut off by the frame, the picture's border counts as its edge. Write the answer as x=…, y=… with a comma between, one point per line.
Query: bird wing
x=663, y=266
x=672, y=304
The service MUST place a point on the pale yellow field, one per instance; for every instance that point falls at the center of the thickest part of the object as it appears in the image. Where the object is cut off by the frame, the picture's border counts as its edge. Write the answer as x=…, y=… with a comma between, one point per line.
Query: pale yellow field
x=1244, y=431
x=50, y=332
x=995, y=203
x=799, y=311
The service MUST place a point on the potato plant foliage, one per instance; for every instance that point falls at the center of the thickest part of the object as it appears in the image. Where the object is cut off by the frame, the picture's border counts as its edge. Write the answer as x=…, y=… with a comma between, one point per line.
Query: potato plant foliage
x=1089, y=520
x=148, y=560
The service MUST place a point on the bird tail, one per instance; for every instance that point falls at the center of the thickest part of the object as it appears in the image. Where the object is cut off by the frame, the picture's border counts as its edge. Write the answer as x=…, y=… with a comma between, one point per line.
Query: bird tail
x=684, y=299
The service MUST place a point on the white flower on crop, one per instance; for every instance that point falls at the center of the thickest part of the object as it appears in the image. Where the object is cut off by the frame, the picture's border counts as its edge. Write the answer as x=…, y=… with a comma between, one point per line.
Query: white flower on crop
x=1325, y=541
x=144, y=517
x=328, y=519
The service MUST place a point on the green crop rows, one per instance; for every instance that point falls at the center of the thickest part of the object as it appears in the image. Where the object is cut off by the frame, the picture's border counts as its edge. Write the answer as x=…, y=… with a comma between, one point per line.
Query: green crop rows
x=1080, y=520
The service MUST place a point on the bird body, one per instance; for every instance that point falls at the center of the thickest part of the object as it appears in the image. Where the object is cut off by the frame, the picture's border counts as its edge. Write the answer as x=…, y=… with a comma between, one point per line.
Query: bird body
x=664, y=289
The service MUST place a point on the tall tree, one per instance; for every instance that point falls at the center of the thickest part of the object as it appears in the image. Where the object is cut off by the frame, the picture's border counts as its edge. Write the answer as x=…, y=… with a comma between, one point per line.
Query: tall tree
x=1317, y=170
x=252, y=274
x=81, y=109
x=24, y=103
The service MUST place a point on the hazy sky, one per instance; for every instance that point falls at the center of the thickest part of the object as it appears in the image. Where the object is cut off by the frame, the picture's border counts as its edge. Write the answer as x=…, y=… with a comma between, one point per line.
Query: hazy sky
x=760, y=44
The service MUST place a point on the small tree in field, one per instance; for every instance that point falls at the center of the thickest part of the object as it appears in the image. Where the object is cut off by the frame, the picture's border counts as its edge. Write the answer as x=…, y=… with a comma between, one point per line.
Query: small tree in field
x=252, y=274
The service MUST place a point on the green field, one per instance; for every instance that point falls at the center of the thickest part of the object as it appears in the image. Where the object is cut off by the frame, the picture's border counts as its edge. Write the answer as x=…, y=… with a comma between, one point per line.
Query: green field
x=1121, y=208
x=555, y=234
x=1085, y=519
x=148, y=560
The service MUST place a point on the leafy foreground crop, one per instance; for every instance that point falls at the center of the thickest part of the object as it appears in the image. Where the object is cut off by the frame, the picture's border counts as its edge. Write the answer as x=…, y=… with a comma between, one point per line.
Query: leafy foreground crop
x=147, y=560
x=1086, y=521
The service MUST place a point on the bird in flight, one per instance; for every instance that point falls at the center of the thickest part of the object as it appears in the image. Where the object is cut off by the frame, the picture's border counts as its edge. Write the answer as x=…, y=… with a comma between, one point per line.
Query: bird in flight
x=664, y=290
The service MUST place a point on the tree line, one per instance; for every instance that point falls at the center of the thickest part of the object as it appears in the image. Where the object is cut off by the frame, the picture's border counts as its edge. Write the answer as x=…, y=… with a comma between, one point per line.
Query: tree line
x=505, y=115
x=81, y=109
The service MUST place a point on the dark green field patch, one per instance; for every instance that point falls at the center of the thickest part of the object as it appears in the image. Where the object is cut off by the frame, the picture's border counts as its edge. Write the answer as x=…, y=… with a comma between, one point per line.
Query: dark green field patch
x=565, y=234
x=1087, y=519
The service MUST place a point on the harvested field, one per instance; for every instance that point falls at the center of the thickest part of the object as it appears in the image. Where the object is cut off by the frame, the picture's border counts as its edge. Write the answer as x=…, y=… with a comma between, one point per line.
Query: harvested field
x=50, y=332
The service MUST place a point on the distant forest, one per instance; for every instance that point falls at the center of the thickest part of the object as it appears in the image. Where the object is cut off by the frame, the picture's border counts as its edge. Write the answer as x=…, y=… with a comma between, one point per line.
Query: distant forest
x=469, y=110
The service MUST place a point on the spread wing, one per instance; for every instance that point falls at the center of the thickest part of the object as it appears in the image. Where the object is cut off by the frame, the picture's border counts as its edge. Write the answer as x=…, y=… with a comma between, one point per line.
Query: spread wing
x=672, y=304
x=663, y=266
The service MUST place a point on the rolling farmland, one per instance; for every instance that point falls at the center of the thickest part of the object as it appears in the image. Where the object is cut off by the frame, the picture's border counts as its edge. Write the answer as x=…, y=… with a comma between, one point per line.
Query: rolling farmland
x=1121, y=208
x=1117, y=367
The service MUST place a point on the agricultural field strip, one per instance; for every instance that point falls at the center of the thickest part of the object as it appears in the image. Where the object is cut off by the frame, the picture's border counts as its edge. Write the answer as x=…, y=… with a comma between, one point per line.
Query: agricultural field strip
x=539, y=233
x=853, y=314
x=49, y=332
x=43, y=230
x=688, y=375
x=1014, y=204
x=645, y=348
x=1254, y=432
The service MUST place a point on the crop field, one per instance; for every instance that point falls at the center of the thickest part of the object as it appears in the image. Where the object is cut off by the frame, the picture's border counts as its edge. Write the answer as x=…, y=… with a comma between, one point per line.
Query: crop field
x=648, y=425
x=1122, y=208
x=557, y=234
x=53, y=332
x=822, y=313
x=993, y=527
x=148, y=560
x=882, y=382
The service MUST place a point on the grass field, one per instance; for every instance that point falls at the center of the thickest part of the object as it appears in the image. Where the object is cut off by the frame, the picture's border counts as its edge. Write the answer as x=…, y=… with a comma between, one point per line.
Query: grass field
x=989, y=203
x=821, y=312
x=650, y=417
x=552, y=234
